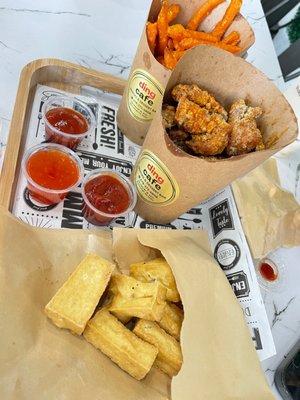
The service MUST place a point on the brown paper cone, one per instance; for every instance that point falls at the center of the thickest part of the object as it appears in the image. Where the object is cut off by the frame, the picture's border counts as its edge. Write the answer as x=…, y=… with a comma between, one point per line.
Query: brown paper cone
x=170, y=181
x=149, y=78
x=39, y=361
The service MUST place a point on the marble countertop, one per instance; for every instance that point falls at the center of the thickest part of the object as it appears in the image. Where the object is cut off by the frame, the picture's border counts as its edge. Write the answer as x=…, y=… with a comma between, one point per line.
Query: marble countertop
x=103, y=35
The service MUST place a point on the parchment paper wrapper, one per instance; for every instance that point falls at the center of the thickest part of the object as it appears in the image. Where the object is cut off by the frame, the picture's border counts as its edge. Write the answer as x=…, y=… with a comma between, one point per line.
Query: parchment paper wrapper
x=270, y=215
x=150, y=78
x=38, y=361
x=184, y=180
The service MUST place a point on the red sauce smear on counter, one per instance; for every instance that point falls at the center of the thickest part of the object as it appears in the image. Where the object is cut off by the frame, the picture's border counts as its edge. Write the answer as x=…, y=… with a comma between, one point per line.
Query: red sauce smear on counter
x=107, y=194
x=67, y=120
x=268, y=272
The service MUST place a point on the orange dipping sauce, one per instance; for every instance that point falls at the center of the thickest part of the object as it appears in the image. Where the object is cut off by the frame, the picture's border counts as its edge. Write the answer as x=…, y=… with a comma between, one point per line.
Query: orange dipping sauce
x=108, y=195
x=51, y=169
x=67, y=121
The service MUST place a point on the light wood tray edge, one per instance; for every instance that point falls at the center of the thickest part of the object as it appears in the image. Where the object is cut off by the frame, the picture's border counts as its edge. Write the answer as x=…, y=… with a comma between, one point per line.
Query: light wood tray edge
x=43, y=71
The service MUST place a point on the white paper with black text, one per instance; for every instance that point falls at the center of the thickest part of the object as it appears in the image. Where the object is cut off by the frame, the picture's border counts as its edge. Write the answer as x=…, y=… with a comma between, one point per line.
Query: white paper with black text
x=106, y=147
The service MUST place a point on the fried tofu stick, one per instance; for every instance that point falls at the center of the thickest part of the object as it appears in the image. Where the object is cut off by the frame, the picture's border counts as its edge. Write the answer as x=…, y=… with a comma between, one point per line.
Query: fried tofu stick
x=74, y=303
x=123, y=347
x=169, y=358
x=133, y=298
x=231, y=12
x=156, y=270
x=171, y=320
x=203, y=11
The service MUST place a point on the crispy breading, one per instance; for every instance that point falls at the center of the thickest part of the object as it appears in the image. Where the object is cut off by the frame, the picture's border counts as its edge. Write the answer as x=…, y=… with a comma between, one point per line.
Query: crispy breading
x=245, y=135
x=210, y=144
x=209, y=131
x=168, y=116
x=200, y=97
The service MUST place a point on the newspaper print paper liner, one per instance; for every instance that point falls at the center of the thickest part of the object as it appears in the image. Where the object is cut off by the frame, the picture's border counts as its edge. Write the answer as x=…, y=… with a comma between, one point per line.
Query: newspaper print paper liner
x=108, y=148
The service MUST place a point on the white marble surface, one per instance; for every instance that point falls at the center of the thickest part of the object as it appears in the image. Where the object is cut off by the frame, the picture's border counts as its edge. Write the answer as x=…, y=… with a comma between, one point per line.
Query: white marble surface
x=103, y=34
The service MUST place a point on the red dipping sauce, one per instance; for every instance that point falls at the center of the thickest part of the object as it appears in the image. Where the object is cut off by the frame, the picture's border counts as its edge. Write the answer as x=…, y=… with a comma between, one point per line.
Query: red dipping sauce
x=107, y=195
x=51, y=171
x=268, y=272
x=67, y=120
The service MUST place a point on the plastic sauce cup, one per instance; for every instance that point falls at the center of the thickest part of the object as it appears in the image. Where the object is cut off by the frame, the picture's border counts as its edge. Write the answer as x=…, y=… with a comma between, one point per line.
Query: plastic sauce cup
x=67, y=120
x=94, y=214
x=48, y=155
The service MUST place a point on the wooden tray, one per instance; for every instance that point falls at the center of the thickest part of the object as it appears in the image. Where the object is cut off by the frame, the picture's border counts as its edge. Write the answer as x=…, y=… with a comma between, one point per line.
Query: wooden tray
x=54, y=73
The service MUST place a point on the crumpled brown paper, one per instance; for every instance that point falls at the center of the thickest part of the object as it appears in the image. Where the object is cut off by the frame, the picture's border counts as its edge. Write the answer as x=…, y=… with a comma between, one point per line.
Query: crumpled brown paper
x=270, y=215
x=38, y=361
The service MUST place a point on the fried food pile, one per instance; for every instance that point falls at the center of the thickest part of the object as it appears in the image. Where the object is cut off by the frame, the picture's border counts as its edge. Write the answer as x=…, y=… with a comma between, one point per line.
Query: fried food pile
x=199, y=125
x=134, y=320
x=169, y=42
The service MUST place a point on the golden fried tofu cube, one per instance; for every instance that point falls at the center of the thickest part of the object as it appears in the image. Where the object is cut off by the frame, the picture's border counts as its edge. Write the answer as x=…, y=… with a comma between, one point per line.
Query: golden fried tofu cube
x=123, y=347
x=171, y=320
x=74, y=303
x=156, y=270
x=133, y=298
x=169, y=358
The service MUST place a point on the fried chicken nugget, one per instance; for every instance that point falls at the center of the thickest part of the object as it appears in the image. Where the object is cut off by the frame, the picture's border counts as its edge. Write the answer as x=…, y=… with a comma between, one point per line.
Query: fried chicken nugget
x=210, y=132
x=245, y=135
x=209, y=144
x=168, y=116
x=200, y=97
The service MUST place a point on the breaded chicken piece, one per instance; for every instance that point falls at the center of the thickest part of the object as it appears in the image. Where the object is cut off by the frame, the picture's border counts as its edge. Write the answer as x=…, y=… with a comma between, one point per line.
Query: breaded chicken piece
x=210, y=132
x=245, y=135
x=209, y=144
x=179, y=137
x=200, y=97
x=168, y=116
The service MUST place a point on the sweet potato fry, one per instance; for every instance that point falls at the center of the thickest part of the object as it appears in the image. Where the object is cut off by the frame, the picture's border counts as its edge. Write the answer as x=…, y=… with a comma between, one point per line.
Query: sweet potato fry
x=203, y=11
x=188, y=43
x=173, y=11
x=178, y=32
x=162, y=25
x=178, y=54
x=170, y=44
x=232, y=38
x=231, y=12
x=228, y=47
x=151, y=30
x=169, y=59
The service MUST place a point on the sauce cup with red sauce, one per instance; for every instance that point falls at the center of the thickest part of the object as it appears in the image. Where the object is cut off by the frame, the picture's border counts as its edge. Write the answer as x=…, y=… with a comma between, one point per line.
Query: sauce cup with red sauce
x=67, y=120
x=51, y=171
x=107, y=195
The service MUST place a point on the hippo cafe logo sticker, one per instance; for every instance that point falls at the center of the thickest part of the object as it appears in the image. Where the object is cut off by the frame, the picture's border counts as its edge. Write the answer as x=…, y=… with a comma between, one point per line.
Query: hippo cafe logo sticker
x=227, y=253
x=143, y=96
x=221, y=218
x=154, y=182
